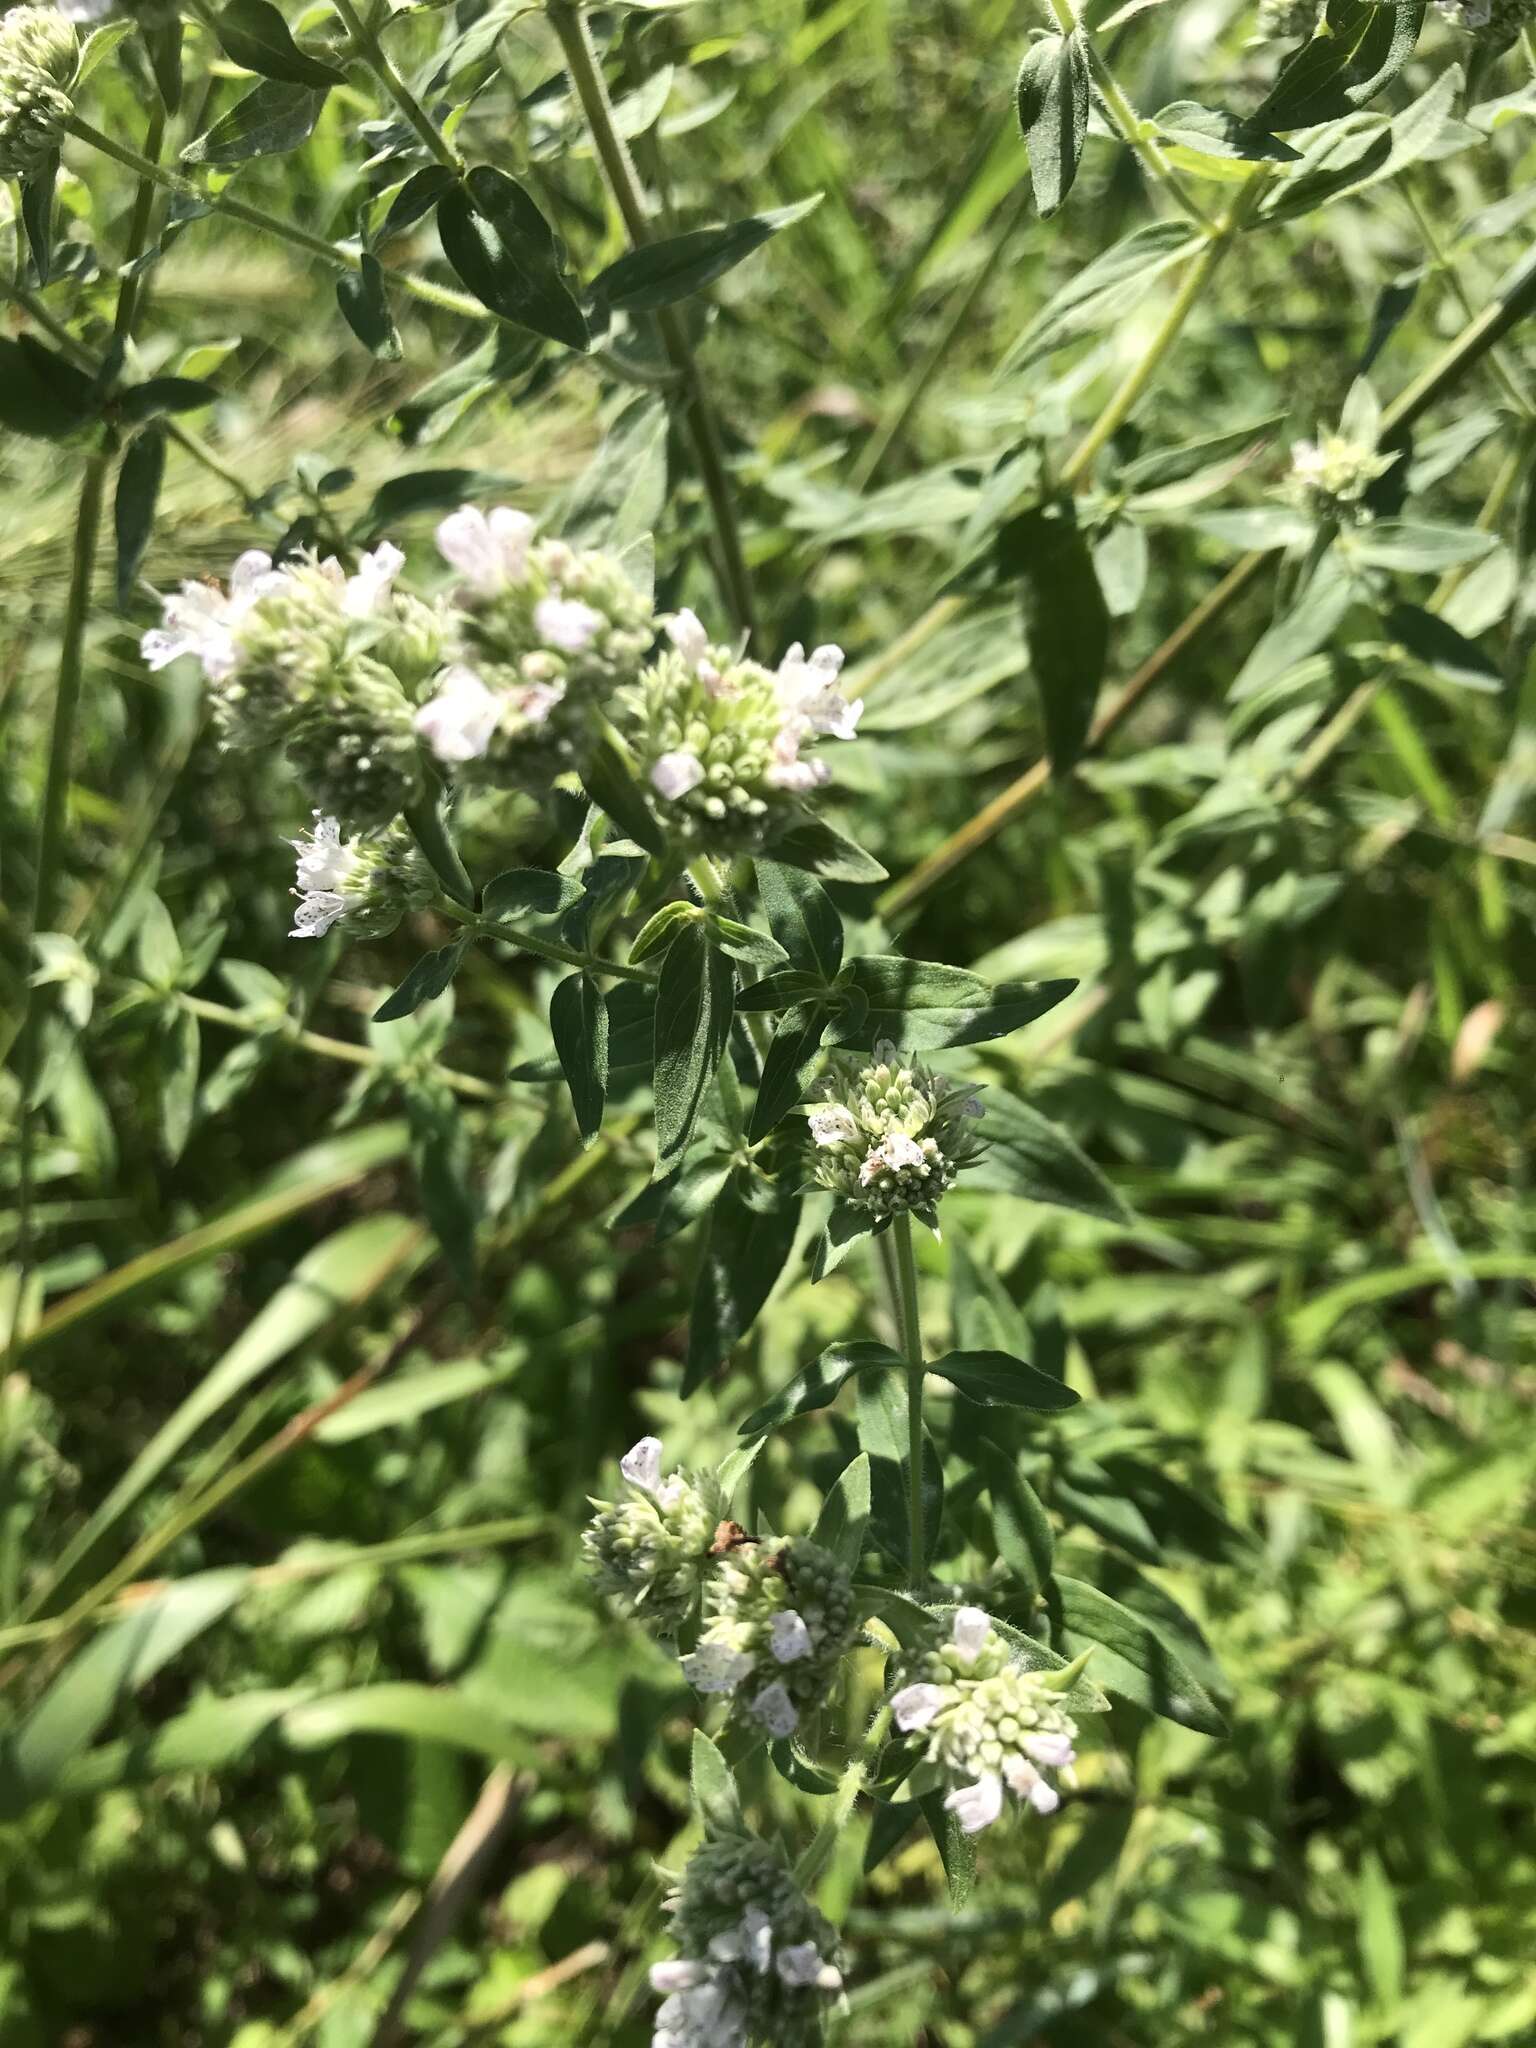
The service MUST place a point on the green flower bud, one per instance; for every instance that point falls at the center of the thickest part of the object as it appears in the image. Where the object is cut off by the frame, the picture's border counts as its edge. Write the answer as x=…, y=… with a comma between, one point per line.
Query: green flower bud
x=757, y=1959
x=892, y=1137
x=649, y=1554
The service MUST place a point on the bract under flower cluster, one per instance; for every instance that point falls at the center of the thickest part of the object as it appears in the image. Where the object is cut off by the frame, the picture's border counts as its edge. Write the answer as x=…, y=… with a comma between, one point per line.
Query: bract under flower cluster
x=891, y=1136
x=991, y=1725
x=756, y=1964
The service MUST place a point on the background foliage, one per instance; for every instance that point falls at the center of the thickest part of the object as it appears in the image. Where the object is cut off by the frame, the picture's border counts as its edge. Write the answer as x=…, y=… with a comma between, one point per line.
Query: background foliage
x=1294, y=885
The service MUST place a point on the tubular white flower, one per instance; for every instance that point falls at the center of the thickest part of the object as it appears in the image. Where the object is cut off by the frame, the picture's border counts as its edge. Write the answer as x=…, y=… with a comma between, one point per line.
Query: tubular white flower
x=567, y=623
x=1054, y=1751
x=679, y=1974
x=365, y=593
x=458, y=723
x=803, y=1964
x=715, y=1667
x=894, y=1152
x=776, y=1711
x=831, y=1124
x=970, y=1632
x=788, y=1636
x=200, y=619
x=641, y=1465
x=977, y=1806
x=326, y=865
x=686, y=632
x=674, y=774
x=915, y=1706
x=488, y=550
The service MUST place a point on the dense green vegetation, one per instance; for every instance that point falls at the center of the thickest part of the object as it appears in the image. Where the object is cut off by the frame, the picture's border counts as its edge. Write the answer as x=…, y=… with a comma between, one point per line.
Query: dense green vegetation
x=322, y=1331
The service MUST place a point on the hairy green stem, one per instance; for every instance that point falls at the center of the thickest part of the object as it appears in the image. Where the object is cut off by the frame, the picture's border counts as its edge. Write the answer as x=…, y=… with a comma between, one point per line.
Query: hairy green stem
x=546, y=949
x=898, y=1265
x=814, y=1858
x=370, y=49
x=432, y=836
x=570, y=25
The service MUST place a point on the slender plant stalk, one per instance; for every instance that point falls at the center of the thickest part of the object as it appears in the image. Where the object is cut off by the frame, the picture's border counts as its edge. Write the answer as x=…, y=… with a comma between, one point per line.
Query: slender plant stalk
x=1126, y=121
x=1505, y=372
x=570, y=25
x=546, y=949
x=332, y=253
x=370, y=48
x=341, y=1049
x=432, y=836
x=815, y=1857
x=45, y=888
x=898, y=1266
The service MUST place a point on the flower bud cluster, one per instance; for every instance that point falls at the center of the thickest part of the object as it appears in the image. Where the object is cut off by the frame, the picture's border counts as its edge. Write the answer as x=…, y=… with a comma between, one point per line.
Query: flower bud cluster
x=726, y=744
x=991, y=1724
x=891, y=1136
x=650, y=1553
x=1497, y=21
x=1330, y=476
x=365, y=885
x=307, y=657
x=780, y=1619
x=39, y=53
x=755, y=1964
x=545, y=634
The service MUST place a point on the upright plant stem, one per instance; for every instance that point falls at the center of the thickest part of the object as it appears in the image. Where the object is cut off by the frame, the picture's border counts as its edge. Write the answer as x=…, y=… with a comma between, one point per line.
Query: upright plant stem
x=898, y=1266
x=1126, y=120
x=432, y=836
x=370, y=49
x=570, y=25
x=61, y=745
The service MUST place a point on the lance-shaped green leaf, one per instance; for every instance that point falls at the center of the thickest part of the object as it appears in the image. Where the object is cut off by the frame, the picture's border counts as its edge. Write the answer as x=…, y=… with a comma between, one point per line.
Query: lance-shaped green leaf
x=256, y=36
x=1095, y=298
x=578, y=1020
x=37, y=190
x=714, y=1789
x=275, y=117
x=426, y=981
x=1362, y=48
x=1052, y=100
x=1028, y=1155
x=998, y=1380
x=609, y=784
x=883, y=1433
x=364, y=306
x=802, y=917
x=133, y=507
x=1212, y=131
x=529, y=892
x=922, y=1005
x=1021, y=1528
x=818, y=1384
x=694, y=1006
x=790, y=1066
x=1436, y=644
x=1130, y=1657
x=1066, y=621
x=844, y=1517
x=508, y=255
x=821, y=849
x=41, y=394
x=744, y=1254
x=663, y=272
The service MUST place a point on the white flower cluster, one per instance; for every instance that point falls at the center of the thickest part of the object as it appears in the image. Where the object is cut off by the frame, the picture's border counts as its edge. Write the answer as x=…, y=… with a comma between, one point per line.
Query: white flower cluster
x=892, y=1135
x=756, y=1965
x=366, y=884
x=990, y=1723
x=39, y=54
x=649, y=1554
x=781, y=1619
x=205, y=621
x=1331, y=475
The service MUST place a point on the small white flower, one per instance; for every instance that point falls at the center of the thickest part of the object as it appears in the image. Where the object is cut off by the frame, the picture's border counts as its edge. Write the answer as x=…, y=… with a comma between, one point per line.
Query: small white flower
x=831, y=1124
x=1054, y=1751
x=757, y=1939
x=326, y=864
x=566, y=623
x=916, y=1705
x=713, y=1667
x=970, y=1632
x=201, y=619
x=364, y=594
x=973, y=1106
x=789, y=1637
x=535, y=703
x=489, y=552
x=801, y=1963
x=688, y=636
x=458, y=723
x=680, y=1974
x=894, y=1151
x=774, y=1708
x=977, y=1806
x=641, y=1465
x=887, y=1053
x=673, y=775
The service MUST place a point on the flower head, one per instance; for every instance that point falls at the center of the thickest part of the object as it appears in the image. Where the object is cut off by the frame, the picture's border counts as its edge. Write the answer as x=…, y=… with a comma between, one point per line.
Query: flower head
x=730, y=746
x=757, y=1962
x=649, y=1553
x=1329, y=477
x=779, y=1620
x=367, y=884
x=1497, y=21
x=990, y=1724
x=39, y=38
x=891, y=1135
